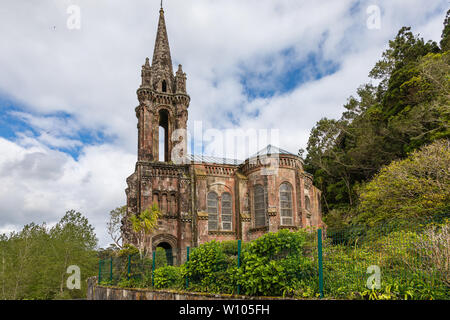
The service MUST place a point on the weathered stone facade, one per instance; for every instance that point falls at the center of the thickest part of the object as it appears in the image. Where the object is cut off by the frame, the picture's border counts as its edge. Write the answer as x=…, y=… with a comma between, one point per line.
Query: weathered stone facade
x=206, y=198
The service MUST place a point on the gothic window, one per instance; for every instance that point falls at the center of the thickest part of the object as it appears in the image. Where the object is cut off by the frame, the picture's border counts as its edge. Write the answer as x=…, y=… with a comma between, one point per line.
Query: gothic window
x=164, y=204
x=286, y=204
x=213, y=221
x=164, y=86
x=173, y=204
x=307, y=203
x=163, y=136
x=156, y=199
x=260, y=206
x=226, y=211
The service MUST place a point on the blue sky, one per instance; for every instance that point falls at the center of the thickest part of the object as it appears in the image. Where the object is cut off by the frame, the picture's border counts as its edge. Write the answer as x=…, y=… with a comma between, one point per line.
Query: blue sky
x=15, y=121
x=68, y=132
x=292, y=74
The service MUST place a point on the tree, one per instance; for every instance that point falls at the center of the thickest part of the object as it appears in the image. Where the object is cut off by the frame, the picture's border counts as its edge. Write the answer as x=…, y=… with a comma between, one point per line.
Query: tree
x=414, y=189
x=403, y=51
x=408, y=109
x=445, y=39
x=114, y=224
x=74, y=242
x=143, y=224
x=34, y=260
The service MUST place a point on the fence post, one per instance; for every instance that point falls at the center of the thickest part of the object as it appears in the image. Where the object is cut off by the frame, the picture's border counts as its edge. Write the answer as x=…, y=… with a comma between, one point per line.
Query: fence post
x=129, y=267
x=239, y=264
x=153, y=268
x=187, y=260
x=319, y=250
x=111, y=271
x=99, y=271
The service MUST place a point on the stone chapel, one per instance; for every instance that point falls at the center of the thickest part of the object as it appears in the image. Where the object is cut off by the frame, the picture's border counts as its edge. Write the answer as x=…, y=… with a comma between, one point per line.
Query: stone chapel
x=207, y=198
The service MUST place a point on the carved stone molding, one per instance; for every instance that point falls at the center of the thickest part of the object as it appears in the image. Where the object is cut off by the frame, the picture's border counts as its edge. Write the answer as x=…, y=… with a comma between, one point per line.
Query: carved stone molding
x=288, y=227
x=164, y=237
x=221, y=233
x=257, y=229
x=201, y=215
x=272, y=212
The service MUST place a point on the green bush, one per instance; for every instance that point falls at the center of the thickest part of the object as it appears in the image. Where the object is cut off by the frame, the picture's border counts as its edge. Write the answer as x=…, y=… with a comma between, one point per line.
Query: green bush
x=128, y=250
x=130, y=283
x=160, y=258
x=168, y=277
x=413, y=265
x=274, y=264
x=413, y=289
x=207, y=267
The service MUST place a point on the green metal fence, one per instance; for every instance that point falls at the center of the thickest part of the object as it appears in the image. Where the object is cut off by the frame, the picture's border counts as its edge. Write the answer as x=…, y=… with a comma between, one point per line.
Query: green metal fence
x=134, y=269
x=337, y=264
x=411, y=262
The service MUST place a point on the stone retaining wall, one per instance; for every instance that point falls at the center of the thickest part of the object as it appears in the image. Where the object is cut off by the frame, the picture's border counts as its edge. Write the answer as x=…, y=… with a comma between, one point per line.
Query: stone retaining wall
x=96, y=292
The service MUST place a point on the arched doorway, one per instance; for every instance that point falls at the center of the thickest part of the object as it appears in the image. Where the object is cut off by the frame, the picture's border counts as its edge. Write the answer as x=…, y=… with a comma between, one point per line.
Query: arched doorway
x=169, y=252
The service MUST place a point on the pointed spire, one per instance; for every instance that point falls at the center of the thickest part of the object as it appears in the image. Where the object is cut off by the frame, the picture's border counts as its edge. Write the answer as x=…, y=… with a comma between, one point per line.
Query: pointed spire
x=161, y=55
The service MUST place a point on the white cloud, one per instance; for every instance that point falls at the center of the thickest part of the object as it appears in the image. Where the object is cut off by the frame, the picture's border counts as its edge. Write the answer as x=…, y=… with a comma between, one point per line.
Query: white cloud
x=40, y=184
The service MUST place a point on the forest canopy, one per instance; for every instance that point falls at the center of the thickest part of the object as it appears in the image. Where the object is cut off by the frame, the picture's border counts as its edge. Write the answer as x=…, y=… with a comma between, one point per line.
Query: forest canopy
x=406, y=109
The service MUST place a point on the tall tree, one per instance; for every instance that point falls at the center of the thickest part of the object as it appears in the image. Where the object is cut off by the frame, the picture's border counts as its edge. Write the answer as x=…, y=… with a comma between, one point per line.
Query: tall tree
x=74, y=242
x=445, y=39
x=407, y=109
x=114, y=224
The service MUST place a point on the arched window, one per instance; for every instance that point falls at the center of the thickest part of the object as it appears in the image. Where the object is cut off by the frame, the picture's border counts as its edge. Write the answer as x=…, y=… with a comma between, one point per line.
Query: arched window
x=226, y=211
x=163, y=135
x=213, y=221
x=307, y=203
x=260, y=206
x=173, y=204
x=286, y=204
x=164, y=86
x=156, y=200
x=164, y=204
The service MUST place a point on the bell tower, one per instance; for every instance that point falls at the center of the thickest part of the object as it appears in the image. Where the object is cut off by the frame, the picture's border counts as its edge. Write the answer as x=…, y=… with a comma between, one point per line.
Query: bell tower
x=163, y=103
x=162, y=173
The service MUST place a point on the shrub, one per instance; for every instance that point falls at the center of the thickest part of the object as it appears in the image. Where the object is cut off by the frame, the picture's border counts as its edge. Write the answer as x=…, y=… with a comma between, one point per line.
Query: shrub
x=129, y=283
x=413, y=189
x=160, y=258
x=433, y=250
x=168, y=277
x=128, y=250
x=274, y=263
x=207, y=266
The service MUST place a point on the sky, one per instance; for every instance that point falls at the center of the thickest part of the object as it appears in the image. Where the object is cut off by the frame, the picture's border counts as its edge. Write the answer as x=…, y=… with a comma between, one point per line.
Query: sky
x=69, y=71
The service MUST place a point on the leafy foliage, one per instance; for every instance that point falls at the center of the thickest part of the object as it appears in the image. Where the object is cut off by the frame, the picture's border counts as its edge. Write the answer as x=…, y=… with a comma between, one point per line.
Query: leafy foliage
x=34, y=261
x=207, y=266
x=168, y=277
x=114, y=224
x=414, y=189
x=273, y=263
x=143, y=224
x=406, y=110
